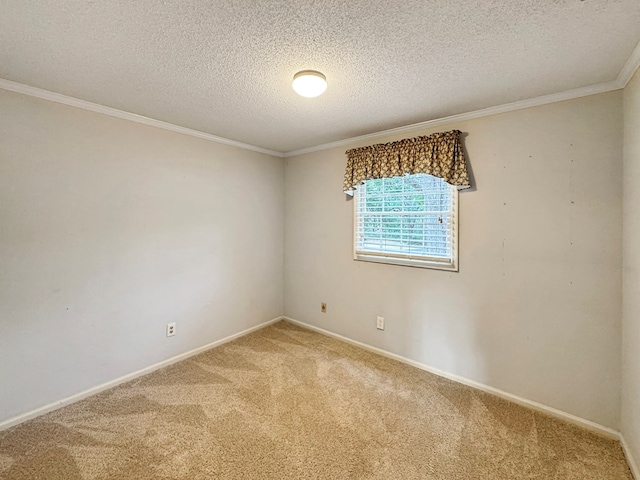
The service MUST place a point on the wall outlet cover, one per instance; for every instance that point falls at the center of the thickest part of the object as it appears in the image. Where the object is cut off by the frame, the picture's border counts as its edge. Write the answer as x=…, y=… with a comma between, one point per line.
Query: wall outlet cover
x=171, y=329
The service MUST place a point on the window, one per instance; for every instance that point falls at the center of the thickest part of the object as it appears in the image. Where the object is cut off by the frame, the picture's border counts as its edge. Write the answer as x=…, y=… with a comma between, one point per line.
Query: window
x=410, y=220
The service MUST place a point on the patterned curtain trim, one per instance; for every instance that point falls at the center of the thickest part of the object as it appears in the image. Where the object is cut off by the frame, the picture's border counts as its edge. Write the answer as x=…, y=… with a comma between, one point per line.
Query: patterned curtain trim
x=440, y=155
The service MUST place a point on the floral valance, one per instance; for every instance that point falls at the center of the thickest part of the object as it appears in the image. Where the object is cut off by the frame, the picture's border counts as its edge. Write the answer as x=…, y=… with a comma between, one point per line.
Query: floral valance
x=440, y=155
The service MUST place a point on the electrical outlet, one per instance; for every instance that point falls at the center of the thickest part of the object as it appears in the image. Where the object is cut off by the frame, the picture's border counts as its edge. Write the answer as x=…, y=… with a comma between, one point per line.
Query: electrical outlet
x=323, y=307
x=380, y=323
x=171, y=329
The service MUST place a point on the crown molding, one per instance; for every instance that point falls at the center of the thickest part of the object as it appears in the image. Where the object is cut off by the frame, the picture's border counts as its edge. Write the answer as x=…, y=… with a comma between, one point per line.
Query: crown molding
x=630, y=67
x=114, y=112
x=485, y=112
x=627, y=72
x=620, y=82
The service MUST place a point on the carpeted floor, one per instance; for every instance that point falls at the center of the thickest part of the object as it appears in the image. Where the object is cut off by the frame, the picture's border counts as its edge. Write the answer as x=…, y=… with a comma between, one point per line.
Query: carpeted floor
x=285, y=403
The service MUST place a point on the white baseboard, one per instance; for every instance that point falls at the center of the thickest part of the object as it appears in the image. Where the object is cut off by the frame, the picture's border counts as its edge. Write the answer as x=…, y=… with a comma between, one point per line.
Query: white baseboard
x=112, y=383
x=595, y=427
x=633, y=466
x=568, y=417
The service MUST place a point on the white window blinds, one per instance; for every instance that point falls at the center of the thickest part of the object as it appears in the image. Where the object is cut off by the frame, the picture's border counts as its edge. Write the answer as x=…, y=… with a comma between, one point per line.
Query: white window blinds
x=408, y=220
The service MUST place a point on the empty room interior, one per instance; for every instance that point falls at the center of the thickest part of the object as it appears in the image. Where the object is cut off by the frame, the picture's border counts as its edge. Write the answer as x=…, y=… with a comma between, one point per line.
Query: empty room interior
x=320, y=239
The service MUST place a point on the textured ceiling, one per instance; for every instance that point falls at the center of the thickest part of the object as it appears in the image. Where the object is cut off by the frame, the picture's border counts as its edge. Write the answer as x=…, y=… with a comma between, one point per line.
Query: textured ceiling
x=225, y=67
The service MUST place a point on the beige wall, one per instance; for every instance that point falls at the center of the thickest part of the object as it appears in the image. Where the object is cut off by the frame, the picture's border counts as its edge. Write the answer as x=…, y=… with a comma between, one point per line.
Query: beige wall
x=109, y=230
x=630, y=423
x=536, y=307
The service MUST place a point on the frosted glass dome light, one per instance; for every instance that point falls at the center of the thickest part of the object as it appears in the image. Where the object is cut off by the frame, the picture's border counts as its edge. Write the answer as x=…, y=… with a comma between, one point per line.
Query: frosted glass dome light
x=309, y=83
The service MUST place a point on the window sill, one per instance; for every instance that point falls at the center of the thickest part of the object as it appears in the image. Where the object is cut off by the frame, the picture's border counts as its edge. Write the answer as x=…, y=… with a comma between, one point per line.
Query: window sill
x=406, y=262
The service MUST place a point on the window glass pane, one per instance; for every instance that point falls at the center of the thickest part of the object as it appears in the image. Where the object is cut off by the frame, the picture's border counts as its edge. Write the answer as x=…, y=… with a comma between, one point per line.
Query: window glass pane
x=410, y=216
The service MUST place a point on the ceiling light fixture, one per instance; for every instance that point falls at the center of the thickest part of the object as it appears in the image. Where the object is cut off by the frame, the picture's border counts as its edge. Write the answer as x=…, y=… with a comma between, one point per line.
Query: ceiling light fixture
x=309, y=83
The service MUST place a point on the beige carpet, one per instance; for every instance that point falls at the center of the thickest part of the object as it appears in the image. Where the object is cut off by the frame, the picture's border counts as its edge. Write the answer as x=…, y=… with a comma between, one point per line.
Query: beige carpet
x=286, y=402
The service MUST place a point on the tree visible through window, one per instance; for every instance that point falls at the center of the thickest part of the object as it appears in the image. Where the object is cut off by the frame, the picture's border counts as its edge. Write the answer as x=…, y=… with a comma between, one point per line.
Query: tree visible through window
x=409, y=220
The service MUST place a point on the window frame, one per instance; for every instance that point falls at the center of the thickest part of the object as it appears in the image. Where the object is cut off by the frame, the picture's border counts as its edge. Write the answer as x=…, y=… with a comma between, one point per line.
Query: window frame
x=402, y=260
